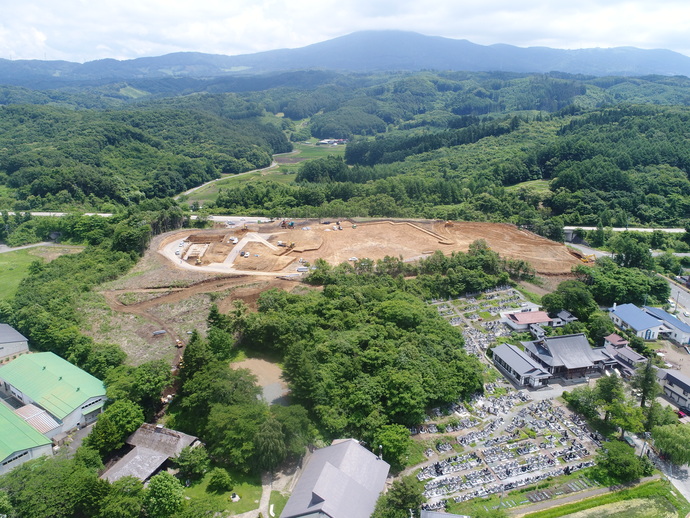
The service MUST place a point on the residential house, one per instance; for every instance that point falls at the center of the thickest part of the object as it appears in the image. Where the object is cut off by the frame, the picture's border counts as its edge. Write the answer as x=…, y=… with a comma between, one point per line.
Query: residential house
x=522, y=320
x=615, y=340
x=676, y=387
x=71, y=396
x=153, y=446
x=563, y=317
x=630, y=317
x=627, y=359
x=12, y=343
x=568, y=356
x=673, y=328
x=343, y=480
x=19, y=442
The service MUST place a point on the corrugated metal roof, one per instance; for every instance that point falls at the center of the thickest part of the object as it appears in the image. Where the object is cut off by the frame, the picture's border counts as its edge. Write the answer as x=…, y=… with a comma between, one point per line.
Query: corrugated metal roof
x=635, y=317
x=16, y=434
x=37, y=418
x=667, y=317
x=53, y=383
x=10, y=334
x=343, y=480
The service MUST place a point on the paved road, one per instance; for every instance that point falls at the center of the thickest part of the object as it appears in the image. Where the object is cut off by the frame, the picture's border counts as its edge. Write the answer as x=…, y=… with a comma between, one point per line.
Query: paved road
x=633, y=229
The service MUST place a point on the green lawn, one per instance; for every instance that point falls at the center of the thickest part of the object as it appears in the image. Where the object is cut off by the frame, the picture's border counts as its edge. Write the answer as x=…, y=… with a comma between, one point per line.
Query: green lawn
x=247, y=487
x=278, y=500
x=13, y=268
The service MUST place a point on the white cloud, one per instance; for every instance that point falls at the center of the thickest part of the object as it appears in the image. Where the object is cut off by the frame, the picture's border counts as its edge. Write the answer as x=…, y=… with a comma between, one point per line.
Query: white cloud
x=80, y=30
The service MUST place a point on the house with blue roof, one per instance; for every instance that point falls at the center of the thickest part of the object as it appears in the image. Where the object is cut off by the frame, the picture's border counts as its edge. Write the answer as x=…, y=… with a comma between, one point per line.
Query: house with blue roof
x=674, y=328
x=630, y=317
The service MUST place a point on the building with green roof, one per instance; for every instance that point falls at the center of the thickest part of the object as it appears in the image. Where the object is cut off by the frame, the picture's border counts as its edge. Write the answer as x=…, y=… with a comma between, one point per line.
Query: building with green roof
x=73, y=397
x=19, y=442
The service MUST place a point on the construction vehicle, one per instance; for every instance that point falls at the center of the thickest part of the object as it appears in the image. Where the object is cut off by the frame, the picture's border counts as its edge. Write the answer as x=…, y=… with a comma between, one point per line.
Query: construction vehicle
x=448, y=224
x=283, y=224
x=291, y=225
x=292, y=245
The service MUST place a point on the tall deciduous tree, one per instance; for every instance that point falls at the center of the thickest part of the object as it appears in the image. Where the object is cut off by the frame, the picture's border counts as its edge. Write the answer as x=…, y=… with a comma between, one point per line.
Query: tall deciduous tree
x=395, y=442
x=164, y=496
x=674, y=441
x=658, y=415
x=608, y=390
x=117, y=421
x=573, y=296
x=645, y=381
x=620, y=461
x=402, y=500
x=192, y=462
x=627, y=416
x=270, y=445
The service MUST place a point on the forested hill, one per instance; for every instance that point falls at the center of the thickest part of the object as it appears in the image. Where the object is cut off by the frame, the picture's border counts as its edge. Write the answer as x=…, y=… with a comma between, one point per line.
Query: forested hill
x=535, y=150
x=58, y=158
x=368, y=51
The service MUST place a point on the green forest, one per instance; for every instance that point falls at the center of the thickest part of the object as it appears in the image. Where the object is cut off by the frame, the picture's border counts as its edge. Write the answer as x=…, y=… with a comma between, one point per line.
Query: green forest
x=541, y=151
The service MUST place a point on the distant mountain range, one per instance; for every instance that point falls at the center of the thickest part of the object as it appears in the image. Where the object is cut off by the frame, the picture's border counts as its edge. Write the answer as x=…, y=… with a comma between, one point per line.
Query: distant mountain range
x=369, y=51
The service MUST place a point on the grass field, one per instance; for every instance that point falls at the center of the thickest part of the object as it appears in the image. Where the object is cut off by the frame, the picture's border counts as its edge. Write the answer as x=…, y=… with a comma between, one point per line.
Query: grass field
x=248, y=488
x=652, y=507
x=536, y=185
x=284, y=173
x=13, y=268
x=656, y=499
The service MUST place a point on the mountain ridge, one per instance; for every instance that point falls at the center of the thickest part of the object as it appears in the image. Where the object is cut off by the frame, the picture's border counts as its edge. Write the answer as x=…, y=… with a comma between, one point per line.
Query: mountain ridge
x=366, y=52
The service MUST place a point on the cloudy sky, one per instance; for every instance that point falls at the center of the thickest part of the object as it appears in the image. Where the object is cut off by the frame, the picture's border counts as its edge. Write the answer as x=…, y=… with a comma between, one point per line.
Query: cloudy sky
x=84, y=30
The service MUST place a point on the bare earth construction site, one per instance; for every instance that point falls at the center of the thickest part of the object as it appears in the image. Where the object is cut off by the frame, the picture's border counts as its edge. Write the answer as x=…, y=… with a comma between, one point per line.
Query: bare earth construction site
x=168, y=294
x=280, y=248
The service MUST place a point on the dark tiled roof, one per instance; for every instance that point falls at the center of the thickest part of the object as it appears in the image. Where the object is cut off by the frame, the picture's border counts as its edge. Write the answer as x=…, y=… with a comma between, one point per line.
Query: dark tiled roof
x=570, y=351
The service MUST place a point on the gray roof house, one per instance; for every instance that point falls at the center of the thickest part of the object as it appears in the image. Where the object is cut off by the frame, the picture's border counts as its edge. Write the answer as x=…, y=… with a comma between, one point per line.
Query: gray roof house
x=629, y=316
x=12, y=343
x=676, y=386
x=519, y=366
x=343, y=480
x=569, y=356
x=153, y=445
x=627, y=359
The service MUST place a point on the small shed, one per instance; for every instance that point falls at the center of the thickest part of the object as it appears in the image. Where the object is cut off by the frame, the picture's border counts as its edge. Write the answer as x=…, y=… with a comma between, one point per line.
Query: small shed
x=153, y=445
